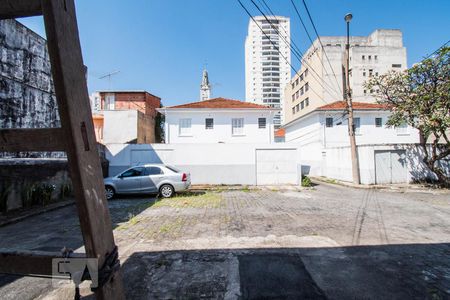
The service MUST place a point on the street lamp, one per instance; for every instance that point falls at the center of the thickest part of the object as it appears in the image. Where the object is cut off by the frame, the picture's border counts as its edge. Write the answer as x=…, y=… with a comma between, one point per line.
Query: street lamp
x=348, y=98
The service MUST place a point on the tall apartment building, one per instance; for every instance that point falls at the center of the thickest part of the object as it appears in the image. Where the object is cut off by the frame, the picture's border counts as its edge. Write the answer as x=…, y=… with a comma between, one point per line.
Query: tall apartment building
x=266, y=71
x=315, y=84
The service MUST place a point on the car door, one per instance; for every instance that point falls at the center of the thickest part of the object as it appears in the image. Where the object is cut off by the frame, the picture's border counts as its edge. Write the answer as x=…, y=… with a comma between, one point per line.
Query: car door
x=152, y=178
x=130, y=180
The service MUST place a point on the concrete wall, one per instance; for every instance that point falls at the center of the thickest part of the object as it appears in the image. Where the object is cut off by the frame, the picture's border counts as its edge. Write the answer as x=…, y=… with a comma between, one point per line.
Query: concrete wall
x=120, y=126
x=207, y=163
x=20, y=180
x=336, y=163
x=145, y=129
x=221, y=133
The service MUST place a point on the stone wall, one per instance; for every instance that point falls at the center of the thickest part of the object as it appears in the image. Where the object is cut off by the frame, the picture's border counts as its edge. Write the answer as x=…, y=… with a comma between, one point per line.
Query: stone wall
x=27, y=97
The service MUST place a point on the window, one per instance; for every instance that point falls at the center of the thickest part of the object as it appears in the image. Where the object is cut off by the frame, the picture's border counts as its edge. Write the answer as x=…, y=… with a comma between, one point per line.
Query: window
x=133, y=172
x=402, y=129
x=329, y=122
x=364, y=74
x=293, y=97
x=363, y=57
x=307, y=102
x=293, y=110
x=378, y=122
x=297, y=107
x=261, y=123
x=209, y=123
x=237, y=126
x=185, y=127
x=306, y=72
x=376, y=57
x=306, y=87
x=153, y=171
x=357, y=125
x=370, y=72
x=302, y=104
x=370, y=57
x=110, y=100
x=396, y=65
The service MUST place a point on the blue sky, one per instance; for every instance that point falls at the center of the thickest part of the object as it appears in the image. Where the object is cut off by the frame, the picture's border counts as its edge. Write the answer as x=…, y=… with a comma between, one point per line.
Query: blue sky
x=162, y=45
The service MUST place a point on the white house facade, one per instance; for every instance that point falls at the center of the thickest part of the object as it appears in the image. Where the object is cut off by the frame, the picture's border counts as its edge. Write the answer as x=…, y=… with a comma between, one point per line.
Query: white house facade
x=219, y=120
x=322, y=136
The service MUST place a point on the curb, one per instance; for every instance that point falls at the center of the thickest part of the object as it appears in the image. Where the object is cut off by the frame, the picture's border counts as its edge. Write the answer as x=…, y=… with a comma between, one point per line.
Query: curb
x=35, y=212
x=399, y=189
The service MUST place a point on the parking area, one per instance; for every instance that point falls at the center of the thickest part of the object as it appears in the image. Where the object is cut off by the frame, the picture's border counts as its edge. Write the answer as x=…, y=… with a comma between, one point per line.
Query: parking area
x=327, y=242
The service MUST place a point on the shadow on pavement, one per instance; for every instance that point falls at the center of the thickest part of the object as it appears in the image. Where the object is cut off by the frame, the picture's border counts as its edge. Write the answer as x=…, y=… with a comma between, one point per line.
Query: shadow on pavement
x=412, y=271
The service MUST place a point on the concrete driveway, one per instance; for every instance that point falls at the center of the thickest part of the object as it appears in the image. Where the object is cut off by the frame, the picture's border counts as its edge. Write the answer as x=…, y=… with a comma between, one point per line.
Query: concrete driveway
x=331, y=242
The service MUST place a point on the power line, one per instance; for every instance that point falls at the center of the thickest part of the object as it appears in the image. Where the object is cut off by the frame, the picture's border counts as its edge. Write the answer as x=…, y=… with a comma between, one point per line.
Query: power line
x=293, y=46
x=323, y=48
x=443, y=45
x=297, y=53
x=273, y=44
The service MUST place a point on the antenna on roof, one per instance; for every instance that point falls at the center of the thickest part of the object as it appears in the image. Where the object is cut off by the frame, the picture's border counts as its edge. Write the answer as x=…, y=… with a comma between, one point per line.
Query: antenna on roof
x=109, y=77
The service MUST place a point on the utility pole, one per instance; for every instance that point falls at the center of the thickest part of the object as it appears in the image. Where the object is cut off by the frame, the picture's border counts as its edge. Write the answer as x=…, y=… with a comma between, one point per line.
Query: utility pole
x=348, y=98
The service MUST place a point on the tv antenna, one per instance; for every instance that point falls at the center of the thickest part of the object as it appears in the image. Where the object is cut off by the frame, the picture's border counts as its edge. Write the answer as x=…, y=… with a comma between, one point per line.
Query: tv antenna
x=109, y=75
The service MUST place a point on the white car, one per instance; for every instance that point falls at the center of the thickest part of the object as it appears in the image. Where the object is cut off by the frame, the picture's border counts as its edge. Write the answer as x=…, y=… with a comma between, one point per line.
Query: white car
x=150, y=178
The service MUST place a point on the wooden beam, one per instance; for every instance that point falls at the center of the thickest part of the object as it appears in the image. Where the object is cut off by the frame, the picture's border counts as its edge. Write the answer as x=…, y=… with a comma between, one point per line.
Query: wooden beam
x=64, y=49
x=30, y=263
x=10, y=9
x=32, y=139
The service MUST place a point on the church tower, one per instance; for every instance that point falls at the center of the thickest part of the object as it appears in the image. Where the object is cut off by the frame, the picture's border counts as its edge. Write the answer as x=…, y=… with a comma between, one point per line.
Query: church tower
x=205, y=87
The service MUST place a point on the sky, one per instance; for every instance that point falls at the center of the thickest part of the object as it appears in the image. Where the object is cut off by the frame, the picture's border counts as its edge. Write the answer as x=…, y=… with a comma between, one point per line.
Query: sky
x=162, y=46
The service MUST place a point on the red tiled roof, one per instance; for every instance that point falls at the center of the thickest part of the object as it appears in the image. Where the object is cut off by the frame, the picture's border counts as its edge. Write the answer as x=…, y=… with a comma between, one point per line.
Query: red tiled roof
x=221, y=103
x=341, y=105
x=280, y=132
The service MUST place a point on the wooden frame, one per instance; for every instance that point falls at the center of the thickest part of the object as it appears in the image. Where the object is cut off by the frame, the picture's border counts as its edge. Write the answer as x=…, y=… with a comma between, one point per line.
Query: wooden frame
x=76, y=136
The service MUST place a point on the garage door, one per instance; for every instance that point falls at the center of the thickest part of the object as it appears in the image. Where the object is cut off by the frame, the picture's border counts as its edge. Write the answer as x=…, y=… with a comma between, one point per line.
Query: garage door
x=276, y=166
x=390, y=166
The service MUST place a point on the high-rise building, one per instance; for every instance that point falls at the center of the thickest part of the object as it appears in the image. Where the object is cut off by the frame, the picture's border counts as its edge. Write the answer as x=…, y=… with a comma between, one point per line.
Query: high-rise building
x=267, y=62
x=205, y=87
x=317, y=84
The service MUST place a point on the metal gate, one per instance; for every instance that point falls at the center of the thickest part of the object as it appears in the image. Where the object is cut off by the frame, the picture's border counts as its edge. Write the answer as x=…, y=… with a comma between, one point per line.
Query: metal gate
x=390, y=166
x=276, y=166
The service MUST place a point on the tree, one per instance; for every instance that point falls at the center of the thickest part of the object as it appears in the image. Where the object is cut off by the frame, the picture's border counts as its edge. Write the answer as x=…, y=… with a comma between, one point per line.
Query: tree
x=420, y=97
x=159, y=126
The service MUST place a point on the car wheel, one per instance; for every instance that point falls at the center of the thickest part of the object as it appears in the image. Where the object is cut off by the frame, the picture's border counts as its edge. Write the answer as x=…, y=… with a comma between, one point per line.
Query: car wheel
x=109, y=191
x=166, y=191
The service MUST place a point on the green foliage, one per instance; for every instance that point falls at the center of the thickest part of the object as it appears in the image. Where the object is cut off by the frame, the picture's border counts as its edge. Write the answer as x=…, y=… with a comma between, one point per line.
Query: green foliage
x=65, y=190
x=420, y=97
x=42, y=194
x=159, y=127
x=5, y=189
x=306, y=181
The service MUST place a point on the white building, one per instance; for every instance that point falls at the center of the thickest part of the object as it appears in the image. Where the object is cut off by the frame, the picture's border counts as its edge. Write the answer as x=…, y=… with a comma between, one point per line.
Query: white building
x=205, y=87
x=219, y=120
x=267, y=62
x=315, y=84
x=322, y=136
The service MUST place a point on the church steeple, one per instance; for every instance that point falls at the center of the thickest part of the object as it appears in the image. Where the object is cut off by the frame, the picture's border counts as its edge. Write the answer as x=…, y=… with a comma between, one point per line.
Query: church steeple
x=205, y=87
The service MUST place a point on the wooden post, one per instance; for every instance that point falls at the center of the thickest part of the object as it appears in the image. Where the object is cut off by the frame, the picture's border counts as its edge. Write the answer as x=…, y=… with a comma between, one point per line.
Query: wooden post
x=76, y=136
x=76, y=121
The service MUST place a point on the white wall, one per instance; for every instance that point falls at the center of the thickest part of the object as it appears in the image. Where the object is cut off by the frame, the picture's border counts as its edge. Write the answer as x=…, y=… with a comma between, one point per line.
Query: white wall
x=337, y=162
x=120, y=126
x=207, y=163
x=311, y=128
x=222, y=127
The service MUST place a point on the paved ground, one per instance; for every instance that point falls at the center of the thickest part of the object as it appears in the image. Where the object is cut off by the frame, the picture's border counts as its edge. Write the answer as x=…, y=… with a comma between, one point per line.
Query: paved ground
x=331, y=242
